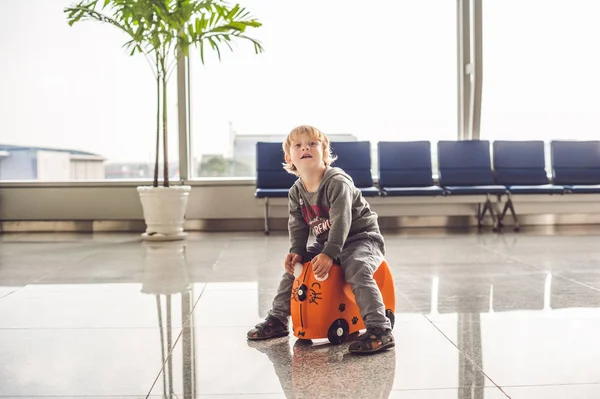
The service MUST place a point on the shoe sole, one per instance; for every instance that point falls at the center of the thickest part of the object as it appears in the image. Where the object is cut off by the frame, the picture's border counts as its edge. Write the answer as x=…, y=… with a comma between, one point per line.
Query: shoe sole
x=380, y=349
x=281, y=334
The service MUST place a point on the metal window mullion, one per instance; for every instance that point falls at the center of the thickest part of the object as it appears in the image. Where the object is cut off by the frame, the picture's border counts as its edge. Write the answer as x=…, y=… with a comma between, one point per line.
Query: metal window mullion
x=464, y=61
x=477, y=39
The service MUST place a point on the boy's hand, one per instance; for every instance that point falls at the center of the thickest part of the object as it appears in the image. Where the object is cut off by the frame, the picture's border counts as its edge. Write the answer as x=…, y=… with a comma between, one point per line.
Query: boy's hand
x=290, y=261
x=321, y=265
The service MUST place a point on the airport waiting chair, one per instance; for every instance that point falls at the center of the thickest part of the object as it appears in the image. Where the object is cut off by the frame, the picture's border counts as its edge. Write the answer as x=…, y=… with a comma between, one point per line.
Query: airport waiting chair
x=354, y=157
x=272, y=181
x=465, y=169
x=576, y=165
x=405, y=169
x=521, y=167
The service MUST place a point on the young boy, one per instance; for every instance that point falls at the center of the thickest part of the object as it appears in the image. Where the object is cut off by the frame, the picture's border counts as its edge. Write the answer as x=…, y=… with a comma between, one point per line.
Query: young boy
x=325, y=201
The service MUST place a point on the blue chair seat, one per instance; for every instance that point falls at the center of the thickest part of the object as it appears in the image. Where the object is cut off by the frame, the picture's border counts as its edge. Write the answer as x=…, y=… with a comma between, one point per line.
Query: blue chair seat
x=431, y=191
x=369, y=191
x=584, y=189
x=475, y=190
x=537, y=189
x=271, y=192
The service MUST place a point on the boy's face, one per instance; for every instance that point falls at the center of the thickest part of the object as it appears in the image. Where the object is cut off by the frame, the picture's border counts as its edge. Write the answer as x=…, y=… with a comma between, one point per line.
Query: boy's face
x=306, y=153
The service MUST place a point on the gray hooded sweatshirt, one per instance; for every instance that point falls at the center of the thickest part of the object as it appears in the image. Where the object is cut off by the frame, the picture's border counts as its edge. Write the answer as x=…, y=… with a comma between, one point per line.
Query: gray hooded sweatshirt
x=336, y=213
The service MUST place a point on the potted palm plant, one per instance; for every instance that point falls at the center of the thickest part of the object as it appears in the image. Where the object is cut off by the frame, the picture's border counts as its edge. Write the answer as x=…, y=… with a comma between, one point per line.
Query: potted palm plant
x=164, y=31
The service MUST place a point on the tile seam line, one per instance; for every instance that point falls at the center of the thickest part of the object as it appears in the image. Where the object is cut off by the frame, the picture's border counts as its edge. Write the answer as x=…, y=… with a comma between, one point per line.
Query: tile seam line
x=465, y=355
x=36, y=281
x=169, y=355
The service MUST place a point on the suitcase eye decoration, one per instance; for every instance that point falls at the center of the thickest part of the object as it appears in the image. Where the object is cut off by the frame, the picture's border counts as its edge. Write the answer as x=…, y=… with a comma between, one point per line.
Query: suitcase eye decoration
x=315, y=295
x=300, y=293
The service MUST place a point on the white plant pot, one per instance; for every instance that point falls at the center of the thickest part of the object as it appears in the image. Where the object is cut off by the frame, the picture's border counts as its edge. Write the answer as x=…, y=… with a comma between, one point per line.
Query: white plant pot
x=164, y=211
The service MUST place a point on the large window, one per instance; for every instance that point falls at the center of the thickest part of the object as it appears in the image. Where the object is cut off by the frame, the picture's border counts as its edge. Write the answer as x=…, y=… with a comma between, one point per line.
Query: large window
x=73, y=103
x=540, y=70
x=356, y=72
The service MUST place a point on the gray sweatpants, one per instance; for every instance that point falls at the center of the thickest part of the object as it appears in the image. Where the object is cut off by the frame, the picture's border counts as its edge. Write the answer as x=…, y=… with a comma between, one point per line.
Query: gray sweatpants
x=359, y=259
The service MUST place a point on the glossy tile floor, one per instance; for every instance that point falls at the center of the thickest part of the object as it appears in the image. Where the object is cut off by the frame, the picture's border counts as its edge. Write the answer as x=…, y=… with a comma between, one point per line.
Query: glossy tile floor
x=478, y=316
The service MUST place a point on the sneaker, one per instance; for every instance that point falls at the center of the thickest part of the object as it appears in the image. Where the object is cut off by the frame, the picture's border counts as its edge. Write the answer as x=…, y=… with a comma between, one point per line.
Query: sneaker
x=373, y=341
x=272, y=327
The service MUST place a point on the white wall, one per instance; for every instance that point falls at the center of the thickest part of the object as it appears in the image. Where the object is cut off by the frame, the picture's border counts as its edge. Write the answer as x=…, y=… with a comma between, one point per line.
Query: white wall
x=232, y=206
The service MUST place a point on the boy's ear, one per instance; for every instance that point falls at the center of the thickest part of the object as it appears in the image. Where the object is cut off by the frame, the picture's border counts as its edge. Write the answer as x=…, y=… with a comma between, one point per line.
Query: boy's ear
x=288, y=159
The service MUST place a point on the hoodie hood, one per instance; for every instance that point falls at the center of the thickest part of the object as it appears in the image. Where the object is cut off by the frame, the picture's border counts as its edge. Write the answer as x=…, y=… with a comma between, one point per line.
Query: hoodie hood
x=329, y=173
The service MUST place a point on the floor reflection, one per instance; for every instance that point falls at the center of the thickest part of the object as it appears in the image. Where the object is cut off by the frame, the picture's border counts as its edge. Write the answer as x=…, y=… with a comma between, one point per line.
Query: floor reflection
x=166, y=277
x=319, y=370
x=471, y=379
x=328, y=370
x=522, y=312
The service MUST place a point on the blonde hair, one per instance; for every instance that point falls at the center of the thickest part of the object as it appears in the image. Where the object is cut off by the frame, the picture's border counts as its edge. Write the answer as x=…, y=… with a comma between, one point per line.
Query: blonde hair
x=314, y=133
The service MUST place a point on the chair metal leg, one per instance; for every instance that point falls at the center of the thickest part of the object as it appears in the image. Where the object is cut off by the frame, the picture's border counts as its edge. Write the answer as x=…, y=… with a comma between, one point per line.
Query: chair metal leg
x=510, y=206
x=506, y=205
x=499, y=213
x=266, y=215
x=487, y=207
x=492, y=213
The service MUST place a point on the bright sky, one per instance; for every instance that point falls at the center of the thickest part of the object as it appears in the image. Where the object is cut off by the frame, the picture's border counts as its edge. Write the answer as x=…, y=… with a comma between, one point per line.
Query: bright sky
x=384, y=72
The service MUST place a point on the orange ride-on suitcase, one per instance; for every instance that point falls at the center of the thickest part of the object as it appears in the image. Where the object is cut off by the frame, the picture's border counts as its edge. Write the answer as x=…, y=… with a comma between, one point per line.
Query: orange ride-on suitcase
x=327, y=309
